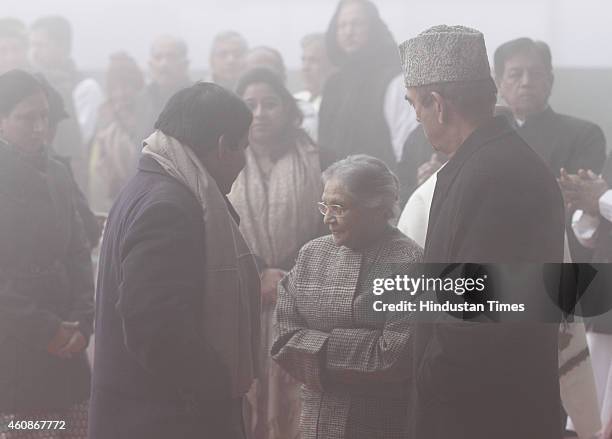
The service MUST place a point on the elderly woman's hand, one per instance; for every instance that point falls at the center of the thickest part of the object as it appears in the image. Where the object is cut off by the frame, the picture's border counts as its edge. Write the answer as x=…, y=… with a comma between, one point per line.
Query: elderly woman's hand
x=269, y=284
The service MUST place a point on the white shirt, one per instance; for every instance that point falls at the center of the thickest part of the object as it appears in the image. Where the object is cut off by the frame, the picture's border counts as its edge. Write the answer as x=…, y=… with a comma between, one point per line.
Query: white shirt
x=87, y=97
x=399, y=114
x=310, y=110
x=415, y=216
x=585, y=226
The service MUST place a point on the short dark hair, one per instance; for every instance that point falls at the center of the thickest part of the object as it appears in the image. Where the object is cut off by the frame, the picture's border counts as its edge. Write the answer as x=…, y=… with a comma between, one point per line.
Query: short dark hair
x=267, y=76
x=474, y=99
x=123, y=69
x=57, y=108
x=521, y=45
x=199, y=115
x=58, y=29
x=15, y=86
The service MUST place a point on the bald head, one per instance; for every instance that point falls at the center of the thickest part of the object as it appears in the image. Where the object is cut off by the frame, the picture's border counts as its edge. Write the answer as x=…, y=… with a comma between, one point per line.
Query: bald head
x=269, y=58
x=168, y=62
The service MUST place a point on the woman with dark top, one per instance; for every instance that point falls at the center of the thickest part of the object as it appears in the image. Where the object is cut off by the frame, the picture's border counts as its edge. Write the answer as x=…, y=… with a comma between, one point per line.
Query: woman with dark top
x=363, y=110
x=46, y=281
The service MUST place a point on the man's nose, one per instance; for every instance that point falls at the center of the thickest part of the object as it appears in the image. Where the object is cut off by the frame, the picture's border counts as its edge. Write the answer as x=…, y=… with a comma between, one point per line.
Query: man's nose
x=257, y=111
x=526, y=78
x=40, y=124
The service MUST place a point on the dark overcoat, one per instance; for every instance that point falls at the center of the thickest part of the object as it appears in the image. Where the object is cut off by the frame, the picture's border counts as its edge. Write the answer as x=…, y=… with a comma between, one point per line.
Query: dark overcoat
x=154, y=376
x=495, y=201
x=45, y=278
x=566, y=142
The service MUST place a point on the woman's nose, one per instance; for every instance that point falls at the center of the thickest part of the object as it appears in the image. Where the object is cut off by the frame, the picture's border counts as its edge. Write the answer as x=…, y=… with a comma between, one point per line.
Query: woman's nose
x=41, y=124
x=328, y=218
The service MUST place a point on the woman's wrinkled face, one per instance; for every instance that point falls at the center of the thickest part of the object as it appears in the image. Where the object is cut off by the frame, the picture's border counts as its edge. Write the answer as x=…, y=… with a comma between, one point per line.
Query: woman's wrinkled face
x=269, y=120
x=26, y=126
x=353, y=28
x=356, y=225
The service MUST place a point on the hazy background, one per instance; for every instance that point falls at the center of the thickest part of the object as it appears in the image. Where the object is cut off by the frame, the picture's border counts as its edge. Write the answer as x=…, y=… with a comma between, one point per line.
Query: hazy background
x=579, y=32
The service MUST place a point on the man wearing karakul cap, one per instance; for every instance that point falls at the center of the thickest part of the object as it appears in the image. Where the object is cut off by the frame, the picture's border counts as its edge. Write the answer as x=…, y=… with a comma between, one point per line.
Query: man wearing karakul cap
x=495, y=201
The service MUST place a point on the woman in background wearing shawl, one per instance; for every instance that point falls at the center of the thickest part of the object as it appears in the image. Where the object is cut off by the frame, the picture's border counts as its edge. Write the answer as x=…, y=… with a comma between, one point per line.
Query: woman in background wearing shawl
x=116, y=147
x=363, y=110
x=275, y=196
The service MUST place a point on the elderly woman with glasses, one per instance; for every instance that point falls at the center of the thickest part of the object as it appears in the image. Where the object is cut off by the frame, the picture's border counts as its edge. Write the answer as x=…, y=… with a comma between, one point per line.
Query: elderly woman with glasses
x=350, y=359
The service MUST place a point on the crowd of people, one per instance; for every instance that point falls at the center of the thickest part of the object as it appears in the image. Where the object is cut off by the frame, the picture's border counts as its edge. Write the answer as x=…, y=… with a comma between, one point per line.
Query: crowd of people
x=240, y=226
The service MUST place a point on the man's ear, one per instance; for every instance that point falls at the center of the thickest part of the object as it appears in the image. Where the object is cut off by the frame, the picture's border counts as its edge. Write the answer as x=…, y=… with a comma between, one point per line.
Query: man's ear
x=216, y=152
x=222, y=147
x=440, y=106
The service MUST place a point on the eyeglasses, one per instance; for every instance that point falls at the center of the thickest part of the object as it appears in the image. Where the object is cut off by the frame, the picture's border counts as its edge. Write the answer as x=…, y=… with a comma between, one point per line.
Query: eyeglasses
x=331, y=209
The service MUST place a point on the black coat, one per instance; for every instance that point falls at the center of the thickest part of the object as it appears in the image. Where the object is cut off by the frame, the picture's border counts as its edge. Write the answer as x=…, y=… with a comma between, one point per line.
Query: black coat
x=45, y=278
x=566, y=142
x=154, y=377
x=495, y=201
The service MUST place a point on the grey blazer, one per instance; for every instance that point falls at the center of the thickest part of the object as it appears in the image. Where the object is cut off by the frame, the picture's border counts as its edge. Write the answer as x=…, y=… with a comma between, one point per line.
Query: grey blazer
x=353, y=362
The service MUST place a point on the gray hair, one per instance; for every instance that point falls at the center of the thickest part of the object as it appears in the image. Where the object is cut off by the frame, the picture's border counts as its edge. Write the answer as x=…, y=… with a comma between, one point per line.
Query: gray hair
x=229, y=35
x=178, y=43
x=314, y=38
x=369, y=182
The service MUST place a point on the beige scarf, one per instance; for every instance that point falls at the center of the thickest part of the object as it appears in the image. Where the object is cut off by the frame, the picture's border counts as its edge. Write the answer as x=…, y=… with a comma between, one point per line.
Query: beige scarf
x=231, y=300
x=114, y=155
x=278, y=212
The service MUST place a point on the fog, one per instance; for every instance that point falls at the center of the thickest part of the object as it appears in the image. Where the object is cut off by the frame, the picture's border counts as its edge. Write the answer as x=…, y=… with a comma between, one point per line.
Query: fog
x=577, y=31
